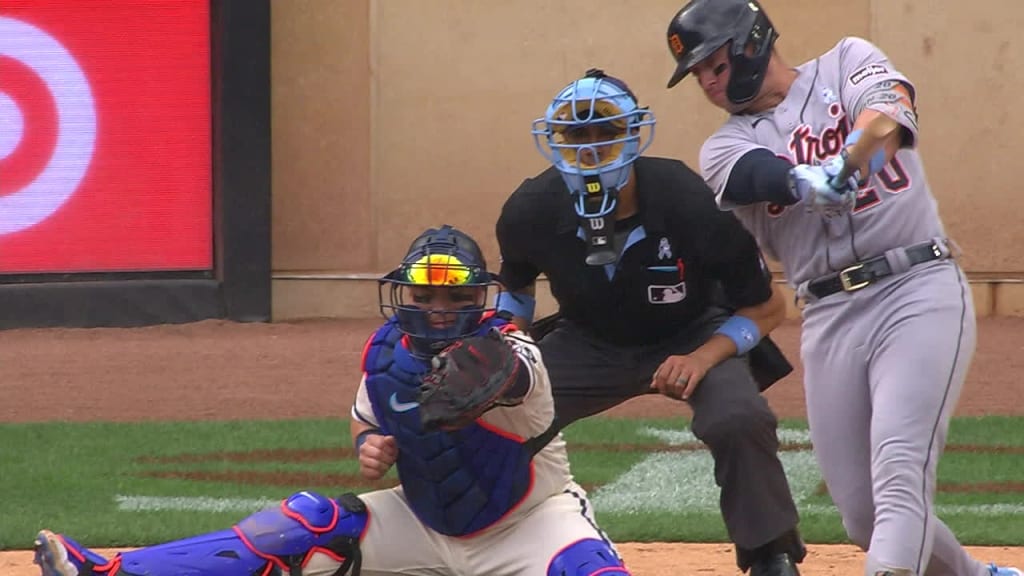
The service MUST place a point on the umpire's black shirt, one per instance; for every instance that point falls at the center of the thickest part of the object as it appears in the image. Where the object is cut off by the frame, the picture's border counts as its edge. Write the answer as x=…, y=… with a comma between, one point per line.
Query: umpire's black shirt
x=665, y=277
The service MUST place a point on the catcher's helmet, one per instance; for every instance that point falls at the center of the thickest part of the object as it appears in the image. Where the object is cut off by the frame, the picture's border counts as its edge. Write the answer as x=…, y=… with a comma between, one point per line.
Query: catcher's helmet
x=703, y=26
x=604, y=102
x=439, y=257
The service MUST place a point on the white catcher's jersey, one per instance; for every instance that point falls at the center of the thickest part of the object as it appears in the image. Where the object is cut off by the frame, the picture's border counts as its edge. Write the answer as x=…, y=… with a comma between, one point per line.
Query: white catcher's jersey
x=526, y=420
x=895, y=208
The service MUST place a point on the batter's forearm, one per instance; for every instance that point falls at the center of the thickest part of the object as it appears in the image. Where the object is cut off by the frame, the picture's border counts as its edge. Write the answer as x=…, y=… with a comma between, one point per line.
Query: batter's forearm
x=879, y=138
x=886, y=123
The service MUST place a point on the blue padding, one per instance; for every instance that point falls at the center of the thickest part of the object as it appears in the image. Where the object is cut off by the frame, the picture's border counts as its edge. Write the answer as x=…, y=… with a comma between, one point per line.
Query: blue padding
x=319, y=511
x=520, y=305
x=587, y=557
x=271, y=535
x=743, y=332
x=304, y=520
x=877, y=161
x=216, y=554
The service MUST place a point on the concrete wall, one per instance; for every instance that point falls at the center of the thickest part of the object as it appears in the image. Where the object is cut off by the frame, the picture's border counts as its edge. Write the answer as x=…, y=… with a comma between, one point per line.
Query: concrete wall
x=390, y=116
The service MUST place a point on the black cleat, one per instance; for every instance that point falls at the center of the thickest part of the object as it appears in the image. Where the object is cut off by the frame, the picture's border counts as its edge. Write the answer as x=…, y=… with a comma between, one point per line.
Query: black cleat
x=776, y=565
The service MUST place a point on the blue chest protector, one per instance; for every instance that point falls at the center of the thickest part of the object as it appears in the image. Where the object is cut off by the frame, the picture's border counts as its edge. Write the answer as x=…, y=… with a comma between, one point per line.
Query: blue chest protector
x=456, y=482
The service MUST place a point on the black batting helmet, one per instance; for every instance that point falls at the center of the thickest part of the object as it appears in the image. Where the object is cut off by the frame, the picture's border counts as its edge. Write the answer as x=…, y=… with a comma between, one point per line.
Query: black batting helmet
x=703, y=26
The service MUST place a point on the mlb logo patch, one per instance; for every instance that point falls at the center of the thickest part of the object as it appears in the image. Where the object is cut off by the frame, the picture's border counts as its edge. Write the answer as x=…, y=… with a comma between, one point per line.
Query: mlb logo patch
x=666, y=294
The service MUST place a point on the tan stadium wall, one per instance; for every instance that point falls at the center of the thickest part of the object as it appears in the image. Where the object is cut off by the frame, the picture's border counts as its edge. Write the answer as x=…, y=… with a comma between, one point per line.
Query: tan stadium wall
x=390, y=116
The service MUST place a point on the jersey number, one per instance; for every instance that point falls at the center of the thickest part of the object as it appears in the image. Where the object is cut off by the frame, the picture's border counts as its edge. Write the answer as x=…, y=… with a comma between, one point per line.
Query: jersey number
x=893, y=178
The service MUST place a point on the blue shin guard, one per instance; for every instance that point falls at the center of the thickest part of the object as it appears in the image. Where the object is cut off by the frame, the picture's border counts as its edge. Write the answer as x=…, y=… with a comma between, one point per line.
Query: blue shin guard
x=587, y=557
x=269, y=542
x=59, y=555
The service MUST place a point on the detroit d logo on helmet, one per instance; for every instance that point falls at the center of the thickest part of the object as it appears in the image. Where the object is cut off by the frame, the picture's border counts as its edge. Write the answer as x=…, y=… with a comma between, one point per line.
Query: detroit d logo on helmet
x=676, y=44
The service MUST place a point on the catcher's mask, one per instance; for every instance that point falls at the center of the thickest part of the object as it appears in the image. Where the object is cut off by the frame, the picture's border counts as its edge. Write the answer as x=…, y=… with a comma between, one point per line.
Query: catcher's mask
x=444, y=262
x=594, y=168
x=703, y=26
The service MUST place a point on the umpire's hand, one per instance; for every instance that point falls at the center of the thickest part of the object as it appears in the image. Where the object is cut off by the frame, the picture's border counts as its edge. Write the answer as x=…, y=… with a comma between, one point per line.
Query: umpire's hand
x=377, y=455
x=678, y=376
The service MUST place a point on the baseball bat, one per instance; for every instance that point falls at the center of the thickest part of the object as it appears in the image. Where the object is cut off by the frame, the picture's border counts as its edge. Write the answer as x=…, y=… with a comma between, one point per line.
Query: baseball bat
x=859, y=154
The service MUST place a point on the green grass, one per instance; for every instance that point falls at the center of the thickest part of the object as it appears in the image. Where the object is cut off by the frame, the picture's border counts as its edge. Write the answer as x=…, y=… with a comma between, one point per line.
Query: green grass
x=67, y=477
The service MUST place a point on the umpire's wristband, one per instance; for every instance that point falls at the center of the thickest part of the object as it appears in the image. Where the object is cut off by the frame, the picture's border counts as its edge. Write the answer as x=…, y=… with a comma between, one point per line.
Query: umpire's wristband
x=521, y=305
x=743, y=332
x=362, y=436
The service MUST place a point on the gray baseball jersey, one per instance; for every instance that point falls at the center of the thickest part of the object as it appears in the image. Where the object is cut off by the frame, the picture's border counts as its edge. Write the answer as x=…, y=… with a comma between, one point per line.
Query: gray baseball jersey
x=894, y=209
x=883, y=366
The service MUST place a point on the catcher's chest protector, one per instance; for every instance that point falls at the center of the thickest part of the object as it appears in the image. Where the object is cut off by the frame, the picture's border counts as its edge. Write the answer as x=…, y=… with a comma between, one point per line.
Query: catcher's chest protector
x=456, y=482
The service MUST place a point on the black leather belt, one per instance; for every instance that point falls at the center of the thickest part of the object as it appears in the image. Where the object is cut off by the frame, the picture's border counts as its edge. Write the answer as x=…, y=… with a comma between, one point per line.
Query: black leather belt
x=863, y=274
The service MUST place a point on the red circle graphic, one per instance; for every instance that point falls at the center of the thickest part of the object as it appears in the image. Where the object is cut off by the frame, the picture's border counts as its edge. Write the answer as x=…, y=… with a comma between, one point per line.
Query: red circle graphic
x=39, y=111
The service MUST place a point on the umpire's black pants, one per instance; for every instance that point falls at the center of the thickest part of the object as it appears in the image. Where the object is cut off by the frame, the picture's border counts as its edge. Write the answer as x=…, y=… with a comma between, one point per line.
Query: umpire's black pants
x=589, y=375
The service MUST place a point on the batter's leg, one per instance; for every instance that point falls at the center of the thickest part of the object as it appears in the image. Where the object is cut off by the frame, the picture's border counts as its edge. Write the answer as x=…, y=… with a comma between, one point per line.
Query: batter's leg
x=916, y=376
x=948, y=556
x=839, y=412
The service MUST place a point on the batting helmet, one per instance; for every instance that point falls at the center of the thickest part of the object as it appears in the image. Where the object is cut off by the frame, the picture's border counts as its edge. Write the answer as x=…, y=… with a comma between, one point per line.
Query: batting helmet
x=439, y=257
x=703, y=26
x=607, y=104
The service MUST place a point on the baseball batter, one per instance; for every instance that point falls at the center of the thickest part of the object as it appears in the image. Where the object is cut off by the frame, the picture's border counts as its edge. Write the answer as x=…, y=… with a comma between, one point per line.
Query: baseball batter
x=485, y=491
x=888, y=323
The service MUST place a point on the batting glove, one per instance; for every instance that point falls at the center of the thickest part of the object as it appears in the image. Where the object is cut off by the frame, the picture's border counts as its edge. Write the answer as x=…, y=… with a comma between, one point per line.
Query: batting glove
x=816, y=187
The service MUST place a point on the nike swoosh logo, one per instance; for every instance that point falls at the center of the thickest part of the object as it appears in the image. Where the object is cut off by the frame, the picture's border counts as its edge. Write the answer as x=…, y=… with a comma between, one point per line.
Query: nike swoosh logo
x=401, y=406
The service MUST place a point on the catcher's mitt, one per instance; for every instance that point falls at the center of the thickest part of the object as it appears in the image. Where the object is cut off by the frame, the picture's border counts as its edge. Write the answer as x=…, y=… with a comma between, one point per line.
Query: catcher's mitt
x=468, y=378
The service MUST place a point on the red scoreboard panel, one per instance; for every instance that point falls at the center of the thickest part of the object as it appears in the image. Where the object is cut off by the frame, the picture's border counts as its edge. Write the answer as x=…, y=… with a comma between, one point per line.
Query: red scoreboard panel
x=105, y=136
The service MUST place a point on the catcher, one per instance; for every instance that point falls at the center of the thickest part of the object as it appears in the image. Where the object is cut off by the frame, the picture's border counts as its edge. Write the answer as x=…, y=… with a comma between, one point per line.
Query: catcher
x=459, y=401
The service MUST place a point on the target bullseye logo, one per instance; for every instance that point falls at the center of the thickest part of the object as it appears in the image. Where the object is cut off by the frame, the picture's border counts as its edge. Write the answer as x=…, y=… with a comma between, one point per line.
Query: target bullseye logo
x=12, y=125
x=29, y=51
x=105, y=136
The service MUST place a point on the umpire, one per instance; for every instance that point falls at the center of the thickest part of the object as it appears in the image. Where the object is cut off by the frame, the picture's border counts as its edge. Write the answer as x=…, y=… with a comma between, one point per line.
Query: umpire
x=658, y=291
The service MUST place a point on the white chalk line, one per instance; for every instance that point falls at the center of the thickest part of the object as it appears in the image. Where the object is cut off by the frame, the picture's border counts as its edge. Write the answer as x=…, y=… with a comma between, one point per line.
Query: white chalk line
x=662, y=482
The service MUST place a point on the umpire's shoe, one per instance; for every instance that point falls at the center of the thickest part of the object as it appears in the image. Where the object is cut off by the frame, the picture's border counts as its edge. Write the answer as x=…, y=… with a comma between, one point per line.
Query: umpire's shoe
x=777, y=565
x=59, y=555
x=776, y=558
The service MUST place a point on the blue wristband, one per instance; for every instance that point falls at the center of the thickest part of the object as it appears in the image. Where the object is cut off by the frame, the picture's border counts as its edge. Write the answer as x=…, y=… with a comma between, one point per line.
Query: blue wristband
x=362, y=436
x=743, y=332
x=877, y=161
x=521, y=305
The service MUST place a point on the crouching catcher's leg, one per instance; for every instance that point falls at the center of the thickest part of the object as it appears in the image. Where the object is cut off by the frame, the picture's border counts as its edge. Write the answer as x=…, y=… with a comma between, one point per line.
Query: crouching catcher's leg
x=270, y=542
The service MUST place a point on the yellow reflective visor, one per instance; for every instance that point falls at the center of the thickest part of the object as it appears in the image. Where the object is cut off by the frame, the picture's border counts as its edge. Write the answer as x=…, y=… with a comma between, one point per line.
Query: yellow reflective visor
x=439, y=270
x=589, y=137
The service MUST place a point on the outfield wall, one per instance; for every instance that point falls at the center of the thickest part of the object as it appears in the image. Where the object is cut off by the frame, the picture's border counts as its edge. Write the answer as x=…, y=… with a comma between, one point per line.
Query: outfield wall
x=393, y=115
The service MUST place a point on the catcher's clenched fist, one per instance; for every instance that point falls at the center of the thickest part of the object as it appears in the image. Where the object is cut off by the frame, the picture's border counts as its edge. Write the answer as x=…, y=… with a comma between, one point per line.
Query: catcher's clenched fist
x=468, y=378
x=376, y=456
